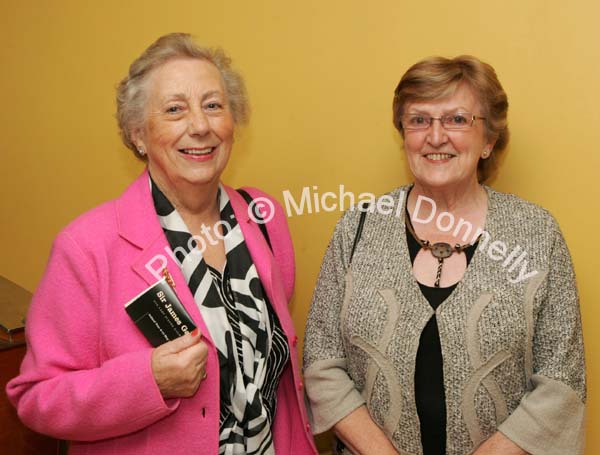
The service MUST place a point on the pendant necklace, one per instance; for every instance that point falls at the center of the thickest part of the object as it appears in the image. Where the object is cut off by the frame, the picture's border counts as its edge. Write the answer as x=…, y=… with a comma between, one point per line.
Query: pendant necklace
x=439, y=250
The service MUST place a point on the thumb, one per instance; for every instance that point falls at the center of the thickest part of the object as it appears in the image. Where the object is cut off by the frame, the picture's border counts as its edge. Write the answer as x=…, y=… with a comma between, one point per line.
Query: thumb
x=184, y=342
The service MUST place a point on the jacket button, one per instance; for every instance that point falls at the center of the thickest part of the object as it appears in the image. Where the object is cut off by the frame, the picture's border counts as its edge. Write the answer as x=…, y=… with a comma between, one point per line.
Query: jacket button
x=294, y=341
x=308, y=427
x=300, y=386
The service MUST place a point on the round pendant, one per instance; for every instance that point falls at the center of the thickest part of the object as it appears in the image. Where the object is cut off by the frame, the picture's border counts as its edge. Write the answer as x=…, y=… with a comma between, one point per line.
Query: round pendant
x=441, y=250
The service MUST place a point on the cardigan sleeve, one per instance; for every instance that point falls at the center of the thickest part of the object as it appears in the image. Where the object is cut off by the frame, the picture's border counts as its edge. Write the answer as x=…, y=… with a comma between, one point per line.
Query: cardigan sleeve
x=64, y=389
x=550, y=419
x=331, y=391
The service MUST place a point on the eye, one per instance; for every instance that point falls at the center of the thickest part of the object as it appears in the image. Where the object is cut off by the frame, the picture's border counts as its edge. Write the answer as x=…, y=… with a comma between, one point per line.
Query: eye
x=417, y=120
x=175, y=109
x=457, y=119
x=213, y=106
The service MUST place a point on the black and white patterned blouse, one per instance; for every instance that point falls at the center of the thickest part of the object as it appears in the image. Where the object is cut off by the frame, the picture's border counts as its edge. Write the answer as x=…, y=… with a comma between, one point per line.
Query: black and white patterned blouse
x=251, y=345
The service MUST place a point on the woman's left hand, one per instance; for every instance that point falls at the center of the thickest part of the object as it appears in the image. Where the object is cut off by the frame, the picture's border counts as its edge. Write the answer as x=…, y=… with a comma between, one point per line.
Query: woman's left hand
x=498, y=444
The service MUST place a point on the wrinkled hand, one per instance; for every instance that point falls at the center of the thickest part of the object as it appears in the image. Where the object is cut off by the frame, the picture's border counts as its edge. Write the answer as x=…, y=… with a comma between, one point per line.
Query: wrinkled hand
x=498, y=444
x=179, y=366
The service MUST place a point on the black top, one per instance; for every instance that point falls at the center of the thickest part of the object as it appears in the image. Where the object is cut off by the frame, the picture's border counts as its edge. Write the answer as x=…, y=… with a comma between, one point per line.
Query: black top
x=429, y=371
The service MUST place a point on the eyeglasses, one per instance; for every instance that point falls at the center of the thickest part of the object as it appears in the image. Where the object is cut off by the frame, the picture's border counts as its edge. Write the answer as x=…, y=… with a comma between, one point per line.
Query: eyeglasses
x=458, y=121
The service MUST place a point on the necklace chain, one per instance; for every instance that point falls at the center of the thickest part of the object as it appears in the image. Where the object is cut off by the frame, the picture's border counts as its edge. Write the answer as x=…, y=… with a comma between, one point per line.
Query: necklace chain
x=439, y=250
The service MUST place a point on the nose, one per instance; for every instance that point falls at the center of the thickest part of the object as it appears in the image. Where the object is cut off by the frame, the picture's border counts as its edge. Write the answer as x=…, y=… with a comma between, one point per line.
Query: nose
x=198, y=123
x=436, y=135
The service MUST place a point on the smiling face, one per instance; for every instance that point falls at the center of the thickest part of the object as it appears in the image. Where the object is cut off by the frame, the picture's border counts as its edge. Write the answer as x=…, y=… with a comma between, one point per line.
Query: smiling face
x=188, y=128
x=439, y=158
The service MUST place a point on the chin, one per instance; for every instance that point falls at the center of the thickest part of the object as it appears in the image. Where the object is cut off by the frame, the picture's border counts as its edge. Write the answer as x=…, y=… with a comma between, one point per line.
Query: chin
x=436, y=181
x=204, y=173
x=202, y=179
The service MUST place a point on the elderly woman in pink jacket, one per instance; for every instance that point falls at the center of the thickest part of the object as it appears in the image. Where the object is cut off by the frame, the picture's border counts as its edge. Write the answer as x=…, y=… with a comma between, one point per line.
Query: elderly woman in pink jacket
x=232, y=385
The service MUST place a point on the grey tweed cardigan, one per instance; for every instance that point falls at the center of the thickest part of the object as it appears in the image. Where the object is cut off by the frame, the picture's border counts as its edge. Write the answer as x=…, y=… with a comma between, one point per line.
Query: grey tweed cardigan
x=510, y=333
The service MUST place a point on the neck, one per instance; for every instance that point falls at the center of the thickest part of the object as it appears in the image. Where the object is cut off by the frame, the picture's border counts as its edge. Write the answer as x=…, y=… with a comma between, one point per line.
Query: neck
x=465, y=204
x=452, y=199
x=196, y=203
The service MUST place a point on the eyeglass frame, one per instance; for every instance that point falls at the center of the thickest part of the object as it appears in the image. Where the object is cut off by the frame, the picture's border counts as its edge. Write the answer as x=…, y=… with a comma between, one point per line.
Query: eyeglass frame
x=473, y=118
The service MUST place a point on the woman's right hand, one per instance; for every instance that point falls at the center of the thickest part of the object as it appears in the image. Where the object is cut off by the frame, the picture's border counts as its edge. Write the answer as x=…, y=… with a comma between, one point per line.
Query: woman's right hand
x=361, y=435
x=179, y=366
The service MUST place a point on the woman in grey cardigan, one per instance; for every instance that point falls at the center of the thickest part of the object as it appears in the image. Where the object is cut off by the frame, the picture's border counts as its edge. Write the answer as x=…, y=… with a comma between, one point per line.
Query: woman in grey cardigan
x=446, y=317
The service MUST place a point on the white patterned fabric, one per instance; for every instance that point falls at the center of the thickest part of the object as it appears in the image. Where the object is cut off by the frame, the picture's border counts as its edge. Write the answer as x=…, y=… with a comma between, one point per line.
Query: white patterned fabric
x=251, y=345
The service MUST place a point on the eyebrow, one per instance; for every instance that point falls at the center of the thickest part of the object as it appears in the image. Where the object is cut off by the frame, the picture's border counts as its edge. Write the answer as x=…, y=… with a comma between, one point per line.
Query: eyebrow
x=183, y=96
x=423, y=112
x=211, y=93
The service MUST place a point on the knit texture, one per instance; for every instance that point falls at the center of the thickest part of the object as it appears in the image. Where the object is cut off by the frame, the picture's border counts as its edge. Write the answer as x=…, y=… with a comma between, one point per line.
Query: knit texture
x=496, y=332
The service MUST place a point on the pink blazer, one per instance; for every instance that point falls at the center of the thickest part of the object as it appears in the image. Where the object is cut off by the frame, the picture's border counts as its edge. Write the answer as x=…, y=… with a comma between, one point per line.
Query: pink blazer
x=87, y=377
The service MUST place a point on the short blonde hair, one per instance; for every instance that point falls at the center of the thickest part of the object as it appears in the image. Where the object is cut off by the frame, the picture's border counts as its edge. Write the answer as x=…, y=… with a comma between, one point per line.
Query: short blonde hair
x=131, y=91
x=438, y=77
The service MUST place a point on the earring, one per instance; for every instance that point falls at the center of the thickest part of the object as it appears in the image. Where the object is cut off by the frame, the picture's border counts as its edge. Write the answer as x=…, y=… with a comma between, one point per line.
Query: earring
x=485, y=154
x=141, y=151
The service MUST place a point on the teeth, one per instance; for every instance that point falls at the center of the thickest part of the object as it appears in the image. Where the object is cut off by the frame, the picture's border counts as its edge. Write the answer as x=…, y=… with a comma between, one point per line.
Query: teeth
x=197, y=152
x=439, y=156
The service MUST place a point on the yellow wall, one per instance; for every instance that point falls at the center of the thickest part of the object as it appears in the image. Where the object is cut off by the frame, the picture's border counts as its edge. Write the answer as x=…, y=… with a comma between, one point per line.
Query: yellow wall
x=320, y=75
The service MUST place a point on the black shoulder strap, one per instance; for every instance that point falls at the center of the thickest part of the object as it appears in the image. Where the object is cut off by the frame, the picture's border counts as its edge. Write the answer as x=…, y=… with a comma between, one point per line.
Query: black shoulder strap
x=257, y=215
x=361, y=222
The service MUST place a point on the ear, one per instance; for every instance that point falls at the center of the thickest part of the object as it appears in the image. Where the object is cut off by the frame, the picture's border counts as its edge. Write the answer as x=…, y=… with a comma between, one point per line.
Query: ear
x=490, y=145
x=138, y=140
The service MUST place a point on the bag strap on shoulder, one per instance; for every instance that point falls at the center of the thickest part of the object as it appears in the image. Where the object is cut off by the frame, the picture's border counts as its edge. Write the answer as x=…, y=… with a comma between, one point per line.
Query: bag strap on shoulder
x=359, y=229
x=256, y=215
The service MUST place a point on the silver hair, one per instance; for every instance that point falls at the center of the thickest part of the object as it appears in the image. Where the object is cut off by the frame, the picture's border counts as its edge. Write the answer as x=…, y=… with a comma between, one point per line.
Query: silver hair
x=131, y=91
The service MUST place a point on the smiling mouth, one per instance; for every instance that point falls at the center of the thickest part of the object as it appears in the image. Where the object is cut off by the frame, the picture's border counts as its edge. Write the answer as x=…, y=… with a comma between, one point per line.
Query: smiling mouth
x=197, y=152
x=438, y=156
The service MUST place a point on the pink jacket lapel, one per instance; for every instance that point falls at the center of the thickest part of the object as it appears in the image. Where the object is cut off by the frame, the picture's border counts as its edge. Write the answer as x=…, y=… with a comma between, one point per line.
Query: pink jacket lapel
x=139, y=226
x=255, y=241
x=263, y=260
